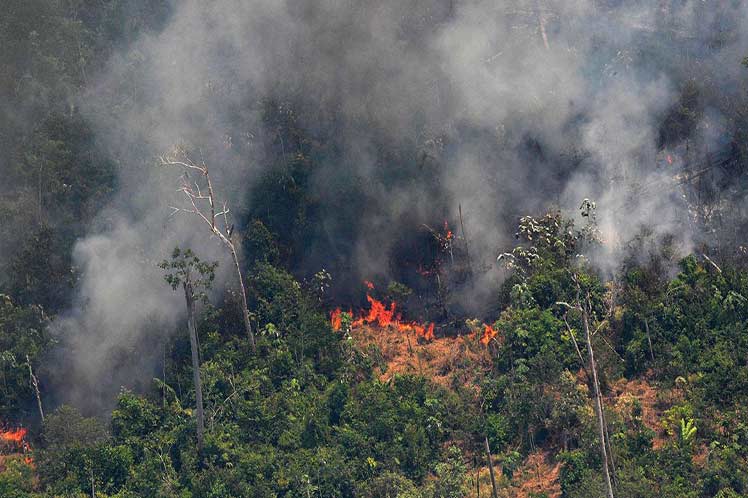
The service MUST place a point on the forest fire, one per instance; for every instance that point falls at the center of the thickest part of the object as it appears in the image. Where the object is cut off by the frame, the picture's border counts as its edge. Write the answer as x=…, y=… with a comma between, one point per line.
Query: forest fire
x=13, y=436
x=488, y=334
x=449, y=235
x=15, y=440
x=336, y=319
x=383, y=316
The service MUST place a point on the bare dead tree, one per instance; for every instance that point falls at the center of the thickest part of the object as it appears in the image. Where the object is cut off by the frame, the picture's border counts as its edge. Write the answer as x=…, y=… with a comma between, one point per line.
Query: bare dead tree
x=583, y=307
x=201, y=202
x=35, y=384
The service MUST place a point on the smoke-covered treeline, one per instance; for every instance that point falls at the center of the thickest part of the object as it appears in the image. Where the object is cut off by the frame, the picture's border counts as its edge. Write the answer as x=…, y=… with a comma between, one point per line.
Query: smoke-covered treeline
x=346, y=126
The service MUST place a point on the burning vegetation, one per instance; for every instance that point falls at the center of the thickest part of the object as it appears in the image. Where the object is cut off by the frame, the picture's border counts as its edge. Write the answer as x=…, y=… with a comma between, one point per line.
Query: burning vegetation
x=382, y=316
x=13, y=442
x=315, y=148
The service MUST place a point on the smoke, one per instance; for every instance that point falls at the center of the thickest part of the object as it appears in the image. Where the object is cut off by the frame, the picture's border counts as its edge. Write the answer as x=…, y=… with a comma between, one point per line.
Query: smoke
x=420, y=107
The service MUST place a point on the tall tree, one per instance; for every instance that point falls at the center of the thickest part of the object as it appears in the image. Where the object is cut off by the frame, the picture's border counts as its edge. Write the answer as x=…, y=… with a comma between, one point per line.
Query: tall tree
x=201, y=201
x=584, y=307
x=195, y=277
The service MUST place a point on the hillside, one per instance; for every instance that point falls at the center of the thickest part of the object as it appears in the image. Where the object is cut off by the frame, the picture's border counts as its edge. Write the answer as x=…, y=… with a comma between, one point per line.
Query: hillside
x=373, y=249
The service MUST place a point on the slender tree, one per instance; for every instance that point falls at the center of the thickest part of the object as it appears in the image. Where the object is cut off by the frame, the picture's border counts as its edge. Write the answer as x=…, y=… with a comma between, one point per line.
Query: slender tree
x=490, y=468
x=195, y=277
x=201, y=202
x=583, y=306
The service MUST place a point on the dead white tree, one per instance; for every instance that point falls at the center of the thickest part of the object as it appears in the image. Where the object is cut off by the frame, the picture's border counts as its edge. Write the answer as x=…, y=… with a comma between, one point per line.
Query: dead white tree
x=201, y=202
x=583, y=307
x=35, y=384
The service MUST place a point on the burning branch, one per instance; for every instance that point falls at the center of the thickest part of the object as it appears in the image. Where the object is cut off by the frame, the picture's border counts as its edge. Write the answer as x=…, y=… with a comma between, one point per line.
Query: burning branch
x=196, y=201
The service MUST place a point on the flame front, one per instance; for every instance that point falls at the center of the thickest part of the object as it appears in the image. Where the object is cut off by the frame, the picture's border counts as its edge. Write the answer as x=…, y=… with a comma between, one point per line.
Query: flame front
x=378, y=313
x=448, y=234
x=13, y=436
x=488, y=334
x=16, y=438
x=336, y=319
x=383, y=316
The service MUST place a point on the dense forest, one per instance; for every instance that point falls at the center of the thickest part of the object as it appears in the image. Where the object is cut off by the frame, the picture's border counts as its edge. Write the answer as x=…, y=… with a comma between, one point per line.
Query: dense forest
x=351, y=249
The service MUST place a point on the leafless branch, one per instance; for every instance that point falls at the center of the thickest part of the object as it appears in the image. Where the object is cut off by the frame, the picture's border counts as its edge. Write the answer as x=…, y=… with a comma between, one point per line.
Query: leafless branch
x=709, y=260
x=196, y=200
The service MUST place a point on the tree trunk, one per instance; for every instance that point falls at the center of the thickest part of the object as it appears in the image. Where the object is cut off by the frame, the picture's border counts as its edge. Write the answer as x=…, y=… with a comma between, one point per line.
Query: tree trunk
x=245, y=307
x=598, y=405
x=35, y=385
x=192, y=326
x=649, y=340
x=490, y=469
x=464, y=237
x=477, y=477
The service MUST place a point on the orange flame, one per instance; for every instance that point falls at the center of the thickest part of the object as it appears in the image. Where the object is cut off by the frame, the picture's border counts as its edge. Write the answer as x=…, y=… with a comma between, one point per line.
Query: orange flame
x=488, y=334
x=336, y=319
x=13, y=436
x=378, y=313
x=449, y=235
x=369, y=285
x=382, y=316
x=16, y=438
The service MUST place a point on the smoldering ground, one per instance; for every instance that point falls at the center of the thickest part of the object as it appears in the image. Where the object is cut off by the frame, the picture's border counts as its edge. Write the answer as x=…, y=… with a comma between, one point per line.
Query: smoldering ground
x=397, y=113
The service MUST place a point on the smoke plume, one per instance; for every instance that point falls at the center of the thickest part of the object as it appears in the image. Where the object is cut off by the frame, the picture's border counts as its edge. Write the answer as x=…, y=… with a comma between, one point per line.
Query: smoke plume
x=421, y=107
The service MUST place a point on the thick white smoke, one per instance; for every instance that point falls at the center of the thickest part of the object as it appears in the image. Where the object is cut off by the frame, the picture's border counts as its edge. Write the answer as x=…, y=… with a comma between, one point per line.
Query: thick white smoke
x=519, y=105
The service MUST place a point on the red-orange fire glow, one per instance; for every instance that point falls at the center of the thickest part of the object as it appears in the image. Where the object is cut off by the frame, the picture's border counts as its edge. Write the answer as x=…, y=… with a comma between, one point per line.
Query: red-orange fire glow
x=383, y=316
x=449, y=235
x=336, y=319
x=378, y=313
x=16, y=439
x=669, y=159
x=369, y=285
x=488, y=334
x=13, y=436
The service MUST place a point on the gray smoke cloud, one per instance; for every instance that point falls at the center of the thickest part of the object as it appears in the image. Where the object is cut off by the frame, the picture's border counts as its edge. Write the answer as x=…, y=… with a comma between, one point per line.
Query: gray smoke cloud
x=501, y=108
